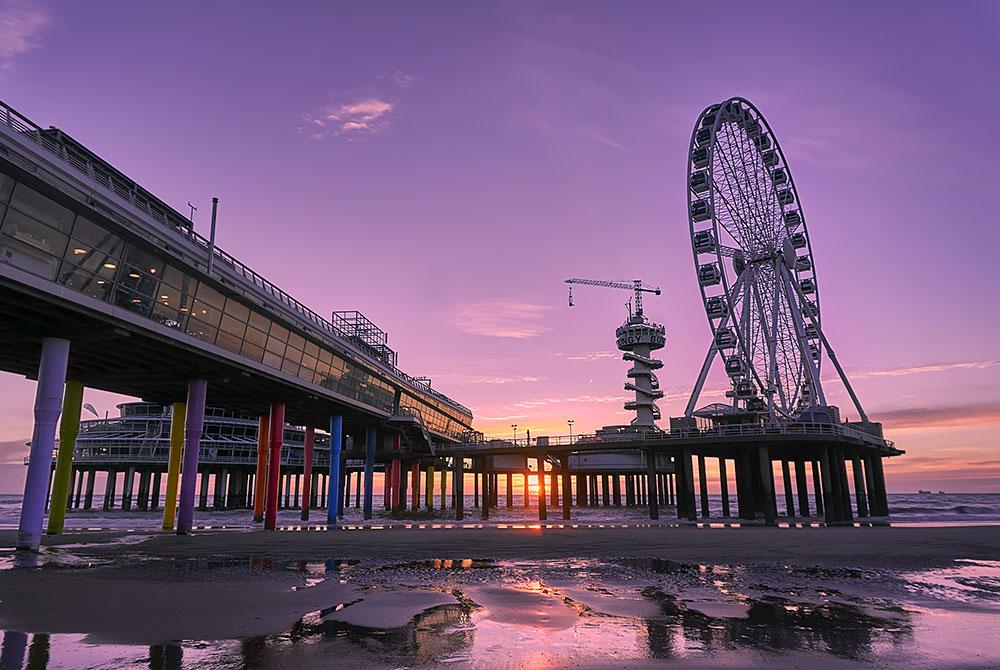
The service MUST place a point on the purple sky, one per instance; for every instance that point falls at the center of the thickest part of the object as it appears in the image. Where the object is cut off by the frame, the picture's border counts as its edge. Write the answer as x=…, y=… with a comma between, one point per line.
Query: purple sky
x=444, y=166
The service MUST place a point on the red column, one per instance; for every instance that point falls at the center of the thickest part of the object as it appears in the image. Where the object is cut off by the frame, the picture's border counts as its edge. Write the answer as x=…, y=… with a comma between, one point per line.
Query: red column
x=260, y=482
x=307, y=471
x=395, y=483
x=277, y=426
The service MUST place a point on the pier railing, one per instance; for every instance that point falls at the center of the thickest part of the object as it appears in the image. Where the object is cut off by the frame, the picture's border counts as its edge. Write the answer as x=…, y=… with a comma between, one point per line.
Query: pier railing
x=730, y=431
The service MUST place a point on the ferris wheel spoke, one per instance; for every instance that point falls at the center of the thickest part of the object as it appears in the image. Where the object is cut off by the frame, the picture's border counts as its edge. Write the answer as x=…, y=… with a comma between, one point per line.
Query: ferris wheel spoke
x=731, y=175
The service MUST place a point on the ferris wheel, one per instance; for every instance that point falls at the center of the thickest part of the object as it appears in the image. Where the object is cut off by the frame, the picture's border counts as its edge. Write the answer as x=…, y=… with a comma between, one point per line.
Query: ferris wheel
x=754, y=260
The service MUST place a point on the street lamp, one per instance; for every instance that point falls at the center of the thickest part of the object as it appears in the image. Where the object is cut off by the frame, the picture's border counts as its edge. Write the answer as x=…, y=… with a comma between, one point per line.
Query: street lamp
x=514, y=427
x=570, y=422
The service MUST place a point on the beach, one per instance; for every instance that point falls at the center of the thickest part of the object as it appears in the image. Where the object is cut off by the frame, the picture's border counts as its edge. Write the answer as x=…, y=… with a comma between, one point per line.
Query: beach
x=510, y=595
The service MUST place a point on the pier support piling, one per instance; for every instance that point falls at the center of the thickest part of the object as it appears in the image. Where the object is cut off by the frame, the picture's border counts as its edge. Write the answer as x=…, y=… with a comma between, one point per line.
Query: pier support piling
x=786, y=476
x=654, y=504
x=803, y=487
x=69, y=427
x=193, y=424
x=370, y=437
x=334, y=498
x=724, y=487
x=307, y=471
x=260, y=481
x=542, y=515
x=276, y=434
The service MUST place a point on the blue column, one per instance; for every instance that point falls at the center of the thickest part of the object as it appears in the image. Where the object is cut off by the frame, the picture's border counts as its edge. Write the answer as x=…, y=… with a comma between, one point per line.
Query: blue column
x=48, y=406
x=369, y=470
x=333, y=490
x=193, y=423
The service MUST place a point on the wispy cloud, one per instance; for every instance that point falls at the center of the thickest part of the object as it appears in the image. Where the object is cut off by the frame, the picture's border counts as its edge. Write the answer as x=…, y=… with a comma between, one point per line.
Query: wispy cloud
x=502, y=319
x=21, y=27
x=591, y=356
x=588, y=399
x=963, y=416
x=923, y=369
x=400, y=78
x=365, y=116
x=597, y=136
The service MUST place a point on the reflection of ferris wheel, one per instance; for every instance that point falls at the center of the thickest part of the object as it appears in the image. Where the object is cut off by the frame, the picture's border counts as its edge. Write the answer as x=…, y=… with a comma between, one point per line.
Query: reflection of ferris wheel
x=755, y=266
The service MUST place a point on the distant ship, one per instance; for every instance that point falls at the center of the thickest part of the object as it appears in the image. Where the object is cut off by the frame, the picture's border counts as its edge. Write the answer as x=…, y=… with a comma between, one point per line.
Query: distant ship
x=923, y=491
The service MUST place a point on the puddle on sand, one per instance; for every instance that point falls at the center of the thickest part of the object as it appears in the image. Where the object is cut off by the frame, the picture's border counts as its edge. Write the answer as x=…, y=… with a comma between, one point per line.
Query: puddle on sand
x=585, y=612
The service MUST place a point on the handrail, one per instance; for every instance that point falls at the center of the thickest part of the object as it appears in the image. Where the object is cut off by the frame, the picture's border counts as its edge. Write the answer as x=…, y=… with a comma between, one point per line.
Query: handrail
x=736, y=430
x=32, y=131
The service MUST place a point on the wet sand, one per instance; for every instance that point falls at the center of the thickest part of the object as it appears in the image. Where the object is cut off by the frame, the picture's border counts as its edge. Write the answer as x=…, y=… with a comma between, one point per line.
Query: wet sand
x=583, y=597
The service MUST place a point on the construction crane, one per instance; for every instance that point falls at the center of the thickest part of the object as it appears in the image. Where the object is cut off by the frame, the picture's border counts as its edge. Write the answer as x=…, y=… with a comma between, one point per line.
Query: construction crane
x=636, y=285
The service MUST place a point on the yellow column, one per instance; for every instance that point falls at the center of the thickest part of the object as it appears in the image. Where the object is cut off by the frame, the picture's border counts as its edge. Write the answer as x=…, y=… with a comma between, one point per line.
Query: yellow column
x=69, y=427
x=177, y=414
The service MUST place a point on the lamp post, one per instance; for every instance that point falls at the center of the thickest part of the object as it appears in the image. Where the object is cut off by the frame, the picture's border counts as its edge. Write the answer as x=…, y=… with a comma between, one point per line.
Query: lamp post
x=570, y=423
x=514, y=428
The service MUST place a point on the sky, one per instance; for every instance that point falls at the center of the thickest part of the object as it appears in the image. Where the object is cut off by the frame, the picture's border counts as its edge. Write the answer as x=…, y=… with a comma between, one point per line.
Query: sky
x=444, y=166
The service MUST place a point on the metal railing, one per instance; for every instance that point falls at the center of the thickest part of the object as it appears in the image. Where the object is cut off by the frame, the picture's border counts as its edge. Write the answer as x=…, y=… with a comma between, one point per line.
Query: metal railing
x=737, y=430
x=33, y=132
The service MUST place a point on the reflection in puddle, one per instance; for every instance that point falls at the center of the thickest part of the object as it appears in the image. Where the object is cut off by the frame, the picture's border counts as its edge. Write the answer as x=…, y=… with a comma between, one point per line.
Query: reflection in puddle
x=586, y=612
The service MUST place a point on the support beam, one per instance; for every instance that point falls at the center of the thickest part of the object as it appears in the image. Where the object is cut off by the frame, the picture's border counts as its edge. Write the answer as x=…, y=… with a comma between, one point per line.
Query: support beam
x=307, y=471
x=88, y=496
x=48, y=405
x=415, y=485
x=786, y=476
x=429, y=495
x=724, y=487
x=459, y=488
x=510, y=490
x=703, y=486
x=689, y=505
x=827, y=488
x=194, y=421
x=260, y=480
x=817, y=486
x=276, y=435
x=654, y=505
x=616, y=490
x=370, y=437
x=859, y=486
x=487, y=463
x=803, y=487
x=542, y=515
x=397, y=503
x=69, y=427
x=567, y=486
x=767, y=478
x=334, y=496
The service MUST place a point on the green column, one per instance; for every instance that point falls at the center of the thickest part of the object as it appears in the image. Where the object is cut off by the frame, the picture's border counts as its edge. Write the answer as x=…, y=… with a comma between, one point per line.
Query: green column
x=177, y=413
x=68, y=429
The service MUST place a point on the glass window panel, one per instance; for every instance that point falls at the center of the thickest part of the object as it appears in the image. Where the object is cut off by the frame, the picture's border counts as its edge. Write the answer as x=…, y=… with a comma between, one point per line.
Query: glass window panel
x=84, y=282
x=229, y=342
x=30, y=201
x=276, y=346
x=134, y=280
x=312, y=349
x=256, y=337
x=206, y=312
x=326, y=356
x=167, y=313
x=133, y=301
x=309, y=362
x=259, y=321
x=297, y=341
x=210, y=296
x=273, y=360
x=92, y=235
x=232, y=326
x=34, y=234
x=237, y=310
x=252, y=351
x=293, y=355
x=279, y=332
x=176, y=277
x=143, y=261
x=91, y=259
x=201, y=330
x=290, y=367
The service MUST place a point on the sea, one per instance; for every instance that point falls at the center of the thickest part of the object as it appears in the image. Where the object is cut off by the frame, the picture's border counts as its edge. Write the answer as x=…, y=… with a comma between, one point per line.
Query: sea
x=926, y=509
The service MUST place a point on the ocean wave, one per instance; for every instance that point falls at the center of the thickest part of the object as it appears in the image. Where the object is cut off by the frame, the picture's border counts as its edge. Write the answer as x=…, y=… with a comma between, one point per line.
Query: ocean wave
x=957, y=509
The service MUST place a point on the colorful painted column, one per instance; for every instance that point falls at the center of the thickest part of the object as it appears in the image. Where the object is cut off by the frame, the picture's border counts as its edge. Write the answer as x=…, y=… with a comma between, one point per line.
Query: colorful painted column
x=415, y=486
x=429, y=496
x=307, y=471
x=334, y=497
x=174, y=463
x=260, y=480
x=193, y=423
x=69, y=427
x=444, y=485
x=370, y=434
x=48, y=404
x=276, y=433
